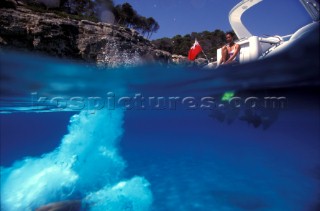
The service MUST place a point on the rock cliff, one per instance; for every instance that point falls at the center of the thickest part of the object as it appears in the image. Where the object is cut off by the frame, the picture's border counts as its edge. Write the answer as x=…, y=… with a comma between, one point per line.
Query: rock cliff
x=48, y=33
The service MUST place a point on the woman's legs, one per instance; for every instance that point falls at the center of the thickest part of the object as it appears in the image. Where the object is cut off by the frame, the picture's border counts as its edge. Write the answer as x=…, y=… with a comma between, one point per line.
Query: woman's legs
x=224, y=55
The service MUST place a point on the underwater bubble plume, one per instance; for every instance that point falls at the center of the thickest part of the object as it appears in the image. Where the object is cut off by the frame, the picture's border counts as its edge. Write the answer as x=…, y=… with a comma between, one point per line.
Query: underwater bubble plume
x=86, y=165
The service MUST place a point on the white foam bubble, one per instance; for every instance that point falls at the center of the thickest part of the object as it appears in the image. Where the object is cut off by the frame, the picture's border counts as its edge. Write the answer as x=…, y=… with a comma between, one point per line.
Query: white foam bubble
x=133, y=194
x=87, y=162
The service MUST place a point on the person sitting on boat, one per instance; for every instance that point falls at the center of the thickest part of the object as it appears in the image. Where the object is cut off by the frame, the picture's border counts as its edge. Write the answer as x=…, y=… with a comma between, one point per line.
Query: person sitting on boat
x=230, y=52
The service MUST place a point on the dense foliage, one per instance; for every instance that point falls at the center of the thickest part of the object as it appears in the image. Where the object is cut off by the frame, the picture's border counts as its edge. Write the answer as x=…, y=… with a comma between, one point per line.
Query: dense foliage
x=99, y=10
x=127, y=16
x=209, y=41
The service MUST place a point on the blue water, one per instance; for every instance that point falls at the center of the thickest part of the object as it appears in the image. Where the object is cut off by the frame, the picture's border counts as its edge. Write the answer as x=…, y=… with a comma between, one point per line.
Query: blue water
x=170, y=143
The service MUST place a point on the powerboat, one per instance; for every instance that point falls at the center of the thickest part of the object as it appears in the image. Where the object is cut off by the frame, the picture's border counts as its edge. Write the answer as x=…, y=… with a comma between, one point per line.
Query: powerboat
x=255, y=47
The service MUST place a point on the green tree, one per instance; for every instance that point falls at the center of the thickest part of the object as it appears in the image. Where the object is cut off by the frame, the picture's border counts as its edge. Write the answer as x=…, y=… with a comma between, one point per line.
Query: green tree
x=125, y=15
x=105, y=11
x=164, y=44
x=153, y=26
x=128, y=14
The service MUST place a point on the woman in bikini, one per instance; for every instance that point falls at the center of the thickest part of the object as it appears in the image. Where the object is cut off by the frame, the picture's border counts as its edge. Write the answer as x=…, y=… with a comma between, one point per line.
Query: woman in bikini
x=230, y=52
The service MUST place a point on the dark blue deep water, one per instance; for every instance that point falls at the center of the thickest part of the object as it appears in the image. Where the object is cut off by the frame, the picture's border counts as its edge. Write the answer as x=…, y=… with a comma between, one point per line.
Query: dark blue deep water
x=160, y=137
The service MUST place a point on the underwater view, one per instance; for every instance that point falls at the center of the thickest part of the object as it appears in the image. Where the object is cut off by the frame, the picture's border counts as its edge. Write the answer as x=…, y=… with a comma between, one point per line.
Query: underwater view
x=159, y=137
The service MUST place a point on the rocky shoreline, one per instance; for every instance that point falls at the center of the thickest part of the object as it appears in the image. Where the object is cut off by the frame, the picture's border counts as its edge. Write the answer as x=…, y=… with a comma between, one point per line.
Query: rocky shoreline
x=97, y=43
x=100, y=43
